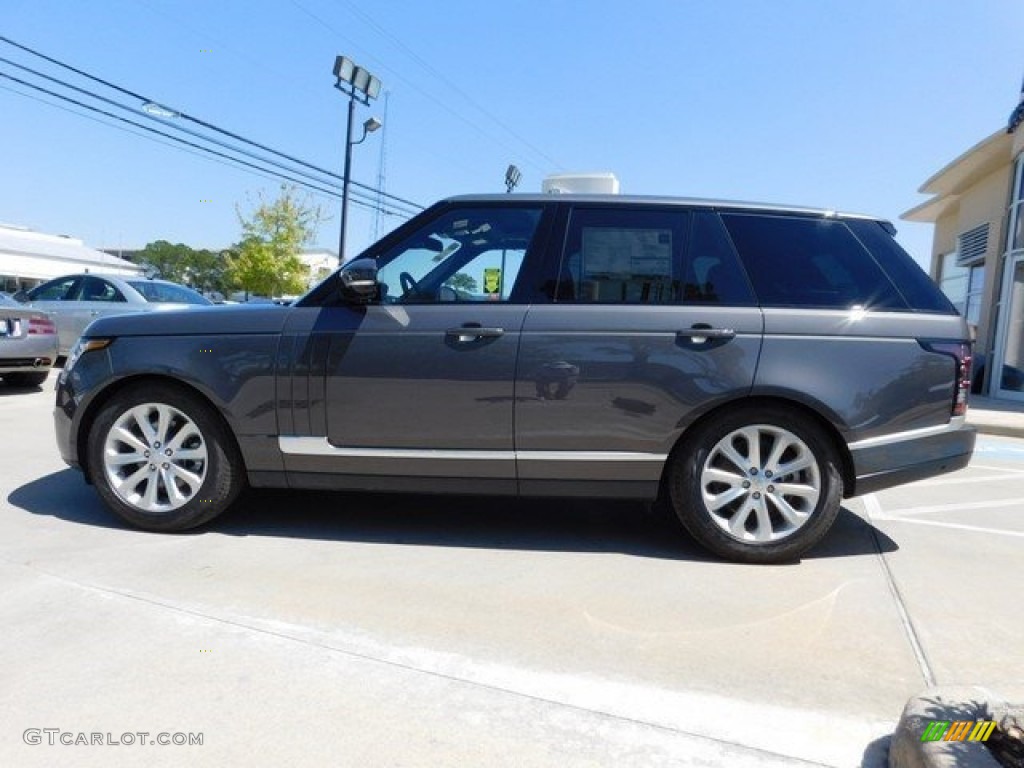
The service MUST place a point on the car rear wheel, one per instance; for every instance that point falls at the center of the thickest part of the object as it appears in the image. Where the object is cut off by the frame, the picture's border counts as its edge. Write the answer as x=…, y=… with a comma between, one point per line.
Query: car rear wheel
x=26, y=379
x=162, y=458
x=756, y=485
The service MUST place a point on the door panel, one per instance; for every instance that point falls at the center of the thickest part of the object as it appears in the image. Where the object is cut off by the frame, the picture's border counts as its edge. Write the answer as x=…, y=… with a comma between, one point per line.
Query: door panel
x=600, y=380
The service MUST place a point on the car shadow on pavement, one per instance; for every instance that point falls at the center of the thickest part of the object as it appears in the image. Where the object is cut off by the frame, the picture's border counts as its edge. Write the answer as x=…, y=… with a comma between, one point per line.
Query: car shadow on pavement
x=565, y=525
x=66, y=496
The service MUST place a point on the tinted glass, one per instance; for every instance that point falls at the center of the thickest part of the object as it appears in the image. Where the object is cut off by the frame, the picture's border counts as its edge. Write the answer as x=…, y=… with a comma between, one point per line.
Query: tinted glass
x=471, y=254
x=61, y=289
x=167, y=293
x=911, y=281
x=97, y=289
x=713, y=274
x=630, y=256
x=809, y=262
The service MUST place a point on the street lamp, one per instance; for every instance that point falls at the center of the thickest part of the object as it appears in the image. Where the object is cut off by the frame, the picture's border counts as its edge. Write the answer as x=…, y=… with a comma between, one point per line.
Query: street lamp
x=358, y=84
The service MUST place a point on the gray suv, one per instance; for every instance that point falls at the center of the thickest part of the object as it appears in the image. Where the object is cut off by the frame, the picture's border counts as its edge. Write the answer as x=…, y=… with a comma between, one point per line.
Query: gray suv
x=750, y=365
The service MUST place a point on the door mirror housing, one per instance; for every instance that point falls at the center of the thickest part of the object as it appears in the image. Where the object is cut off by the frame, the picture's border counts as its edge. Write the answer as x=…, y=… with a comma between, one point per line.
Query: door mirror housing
x=357, y=280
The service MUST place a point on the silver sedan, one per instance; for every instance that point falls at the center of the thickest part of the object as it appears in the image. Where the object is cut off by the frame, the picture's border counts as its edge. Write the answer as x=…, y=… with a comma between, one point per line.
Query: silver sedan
x=28, y=344
x=74, y=301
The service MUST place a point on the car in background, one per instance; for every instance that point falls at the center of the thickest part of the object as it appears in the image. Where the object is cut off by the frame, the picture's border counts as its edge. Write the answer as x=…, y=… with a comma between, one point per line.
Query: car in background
x=74, y=301
x=28, y=344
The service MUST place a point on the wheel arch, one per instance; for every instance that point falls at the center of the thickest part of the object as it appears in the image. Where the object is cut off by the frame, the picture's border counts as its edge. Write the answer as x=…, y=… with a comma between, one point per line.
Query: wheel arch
x=778, y=403
x=106, y=395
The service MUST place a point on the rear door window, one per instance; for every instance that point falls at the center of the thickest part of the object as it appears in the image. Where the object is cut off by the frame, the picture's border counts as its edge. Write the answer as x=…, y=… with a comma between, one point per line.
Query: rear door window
x=796, y=261
x=712, y=271
x=623, y=256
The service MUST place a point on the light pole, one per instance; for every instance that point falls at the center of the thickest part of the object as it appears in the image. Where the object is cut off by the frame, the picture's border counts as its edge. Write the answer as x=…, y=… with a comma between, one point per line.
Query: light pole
x=358, y=84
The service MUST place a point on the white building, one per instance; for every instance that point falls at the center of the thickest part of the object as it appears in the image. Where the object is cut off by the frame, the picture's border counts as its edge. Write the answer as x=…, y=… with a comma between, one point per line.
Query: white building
x=28, y=258
x=320, y=262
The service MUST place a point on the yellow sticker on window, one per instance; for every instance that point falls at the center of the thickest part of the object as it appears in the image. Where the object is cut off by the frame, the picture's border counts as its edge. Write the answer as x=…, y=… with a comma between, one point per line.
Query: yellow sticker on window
x=492, y=281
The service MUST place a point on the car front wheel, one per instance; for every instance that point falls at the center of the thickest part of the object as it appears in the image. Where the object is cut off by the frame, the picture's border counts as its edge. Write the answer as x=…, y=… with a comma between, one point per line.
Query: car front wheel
x=162, y=458
x=756, y=485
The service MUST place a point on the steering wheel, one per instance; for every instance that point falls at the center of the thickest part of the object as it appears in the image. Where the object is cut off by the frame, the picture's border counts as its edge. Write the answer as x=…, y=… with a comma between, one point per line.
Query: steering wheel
x=409, y=285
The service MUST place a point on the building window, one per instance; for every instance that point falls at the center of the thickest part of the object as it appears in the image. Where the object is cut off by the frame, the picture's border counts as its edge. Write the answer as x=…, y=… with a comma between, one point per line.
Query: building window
x=963, y=286
x=1015, y=236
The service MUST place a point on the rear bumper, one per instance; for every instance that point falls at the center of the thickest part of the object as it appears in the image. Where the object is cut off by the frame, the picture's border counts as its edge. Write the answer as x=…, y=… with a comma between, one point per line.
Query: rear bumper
x=883, y=462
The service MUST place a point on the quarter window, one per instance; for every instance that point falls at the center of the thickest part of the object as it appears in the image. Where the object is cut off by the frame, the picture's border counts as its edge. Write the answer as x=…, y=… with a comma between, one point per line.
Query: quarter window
x=809, y=262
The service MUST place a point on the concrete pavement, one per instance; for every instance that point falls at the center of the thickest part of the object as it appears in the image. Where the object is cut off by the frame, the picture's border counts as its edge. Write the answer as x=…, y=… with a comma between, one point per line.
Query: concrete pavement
x=350, y=629
x=996, y=417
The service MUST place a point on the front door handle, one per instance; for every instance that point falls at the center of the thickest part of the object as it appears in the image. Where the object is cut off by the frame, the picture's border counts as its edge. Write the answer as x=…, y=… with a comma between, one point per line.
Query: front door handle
x=702, y=333
x=473, y=332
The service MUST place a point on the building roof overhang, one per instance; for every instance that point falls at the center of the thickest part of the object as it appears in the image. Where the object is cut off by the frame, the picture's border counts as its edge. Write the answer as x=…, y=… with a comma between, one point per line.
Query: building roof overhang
x=947, y=186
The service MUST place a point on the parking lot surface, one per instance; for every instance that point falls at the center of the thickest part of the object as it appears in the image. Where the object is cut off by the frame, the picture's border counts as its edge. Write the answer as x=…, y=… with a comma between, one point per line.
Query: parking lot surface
x=358, y=629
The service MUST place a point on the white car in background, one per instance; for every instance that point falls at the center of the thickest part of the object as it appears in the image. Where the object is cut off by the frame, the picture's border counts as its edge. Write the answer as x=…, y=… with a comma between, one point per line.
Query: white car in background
x=74, y=301
x=28, y=344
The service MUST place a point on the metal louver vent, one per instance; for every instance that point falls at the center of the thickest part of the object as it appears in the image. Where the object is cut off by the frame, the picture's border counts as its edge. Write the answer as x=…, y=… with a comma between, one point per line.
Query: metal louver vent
x=971, y=245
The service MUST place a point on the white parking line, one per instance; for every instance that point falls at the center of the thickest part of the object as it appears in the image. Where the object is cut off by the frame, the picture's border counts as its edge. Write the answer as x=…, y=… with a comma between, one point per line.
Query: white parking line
x=997, y=469
x=955, y=526
x=964, y=480
x=908, y=511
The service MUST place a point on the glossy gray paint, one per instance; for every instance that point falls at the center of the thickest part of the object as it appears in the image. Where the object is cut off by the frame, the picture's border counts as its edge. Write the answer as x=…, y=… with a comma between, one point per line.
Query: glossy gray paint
x=635, y=376
x=544, y=400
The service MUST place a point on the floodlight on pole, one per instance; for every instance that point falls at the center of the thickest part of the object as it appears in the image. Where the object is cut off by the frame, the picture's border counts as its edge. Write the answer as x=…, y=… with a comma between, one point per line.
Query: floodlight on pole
x=358, y=84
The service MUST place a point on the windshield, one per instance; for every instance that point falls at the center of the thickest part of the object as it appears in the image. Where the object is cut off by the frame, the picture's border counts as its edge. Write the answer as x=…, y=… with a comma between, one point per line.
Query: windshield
x=167, y=293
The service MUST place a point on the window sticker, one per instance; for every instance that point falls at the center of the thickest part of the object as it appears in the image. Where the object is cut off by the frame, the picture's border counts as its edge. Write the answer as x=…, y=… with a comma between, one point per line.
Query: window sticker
x=627, y=251
x=492, y=281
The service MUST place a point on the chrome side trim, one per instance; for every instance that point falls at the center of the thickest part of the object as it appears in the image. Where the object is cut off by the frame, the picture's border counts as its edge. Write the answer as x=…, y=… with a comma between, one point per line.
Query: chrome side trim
x=590, y=456
x=319, y=446
x=956, y=423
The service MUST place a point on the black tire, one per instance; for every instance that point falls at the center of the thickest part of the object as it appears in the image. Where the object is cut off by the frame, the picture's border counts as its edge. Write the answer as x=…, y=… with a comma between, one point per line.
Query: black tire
x=216, y=479
x=26, y=379
x=749, y=526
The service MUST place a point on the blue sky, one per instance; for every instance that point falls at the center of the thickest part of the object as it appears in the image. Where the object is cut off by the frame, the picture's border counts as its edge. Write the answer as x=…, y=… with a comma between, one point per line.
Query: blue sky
x=843, y=105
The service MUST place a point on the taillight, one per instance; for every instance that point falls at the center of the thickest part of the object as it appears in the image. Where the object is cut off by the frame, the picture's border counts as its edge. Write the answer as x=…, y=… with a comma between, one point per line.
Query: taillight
x=960, y=351
x=41, y=326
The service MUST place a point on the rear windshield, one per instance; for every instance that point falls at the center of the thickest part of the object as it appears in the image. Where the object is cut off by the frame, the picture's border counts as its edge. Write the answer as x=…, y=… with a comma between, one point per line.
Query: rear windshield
x=809, y=262
x=166, y=293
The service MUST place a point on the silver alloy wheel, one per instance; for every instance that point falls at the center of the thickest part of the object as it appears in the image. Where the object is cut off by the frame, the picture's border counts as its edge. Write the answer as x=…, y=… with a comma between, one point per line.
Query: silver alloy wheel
x=760, y=483
x=155, y=457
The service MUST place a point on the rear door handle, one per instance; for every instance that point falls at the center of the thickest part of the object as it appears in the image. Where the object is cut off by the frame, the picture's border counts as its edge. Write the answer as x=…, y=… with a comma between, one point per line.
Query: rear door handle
x=702, y=333
x=473, y=332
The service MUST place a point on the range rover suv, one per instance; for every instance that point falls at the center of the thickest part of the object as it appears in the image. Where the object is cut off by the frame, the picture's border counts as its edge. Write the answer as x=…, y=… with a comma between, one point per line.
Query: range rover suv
x=751, y=365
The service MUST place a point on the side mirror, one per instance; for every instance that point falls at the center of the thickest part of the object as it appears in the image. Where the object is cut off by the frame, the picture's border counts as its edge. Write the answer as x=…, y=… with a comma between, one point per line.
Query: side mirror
x=358, y=279
x=20, y=296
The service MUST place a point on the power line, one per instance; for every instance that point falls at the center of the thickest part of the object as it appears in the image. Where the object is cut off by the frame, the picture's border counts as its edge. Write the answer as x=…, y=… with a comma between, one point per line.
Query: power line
x=190, y=118
x=364, y=202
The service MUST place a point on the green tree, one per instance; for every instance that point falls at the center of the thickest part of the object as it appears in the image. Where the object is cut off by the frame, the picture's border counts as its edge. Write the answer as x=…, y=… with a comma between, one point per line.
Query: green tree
x=266, y=260
x=202, y=269
x=169, y=260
